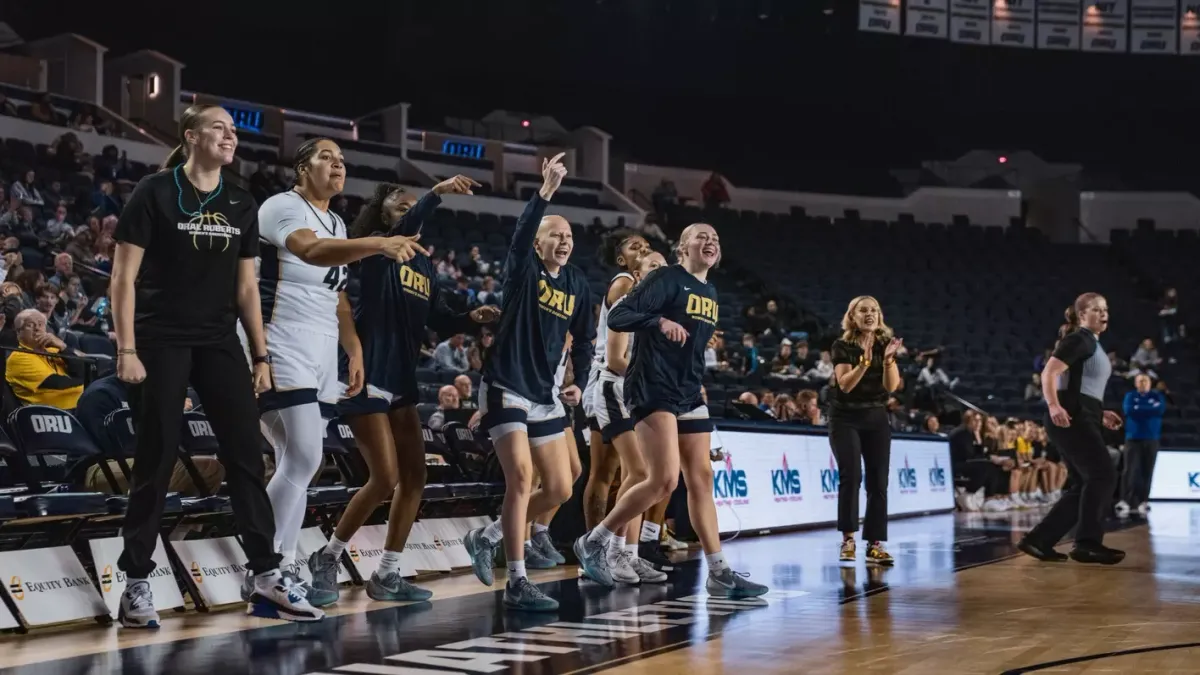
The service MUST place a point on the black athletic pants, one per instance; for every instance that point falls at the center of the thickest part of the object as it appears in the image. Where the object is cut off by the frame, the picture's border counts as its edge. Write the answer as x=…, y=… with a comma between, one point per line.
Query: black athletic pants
x=221, y=377
x=1139, y=470
x=862, y=437
x=1091, y=481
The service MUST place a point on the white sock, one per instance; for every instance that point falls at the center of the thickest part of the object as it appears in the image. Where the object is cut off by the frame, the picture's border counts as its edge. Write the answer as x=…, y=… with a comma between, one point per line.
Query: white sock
x=617, y=543
x=390, y=562
x=529, y=542
x=716, y=562
x=538, y=527
x=335, y=546
x=288, y=559
x=600, y=535
x=651, y=531
x=493, y=532
x=633, y=550
x=516, y=570
x=266, y=581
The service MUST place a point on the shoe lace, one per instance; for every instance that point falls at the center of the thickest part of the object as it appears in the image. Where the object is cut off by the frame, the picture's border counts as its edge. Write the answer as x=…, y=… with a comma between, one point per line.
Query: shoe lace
x=140, y=596
x=296, y=592
x=526, y=587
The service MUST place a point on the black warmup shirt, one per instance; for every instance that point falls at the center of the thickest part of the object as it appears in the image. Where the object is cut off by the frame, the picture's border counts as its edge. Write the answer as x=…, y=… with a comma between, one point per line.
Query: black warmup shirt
x=187, y=285
x=662, y=372
x=395, y=301
x=1081, y=388
x=869, y=392
x=537, y=312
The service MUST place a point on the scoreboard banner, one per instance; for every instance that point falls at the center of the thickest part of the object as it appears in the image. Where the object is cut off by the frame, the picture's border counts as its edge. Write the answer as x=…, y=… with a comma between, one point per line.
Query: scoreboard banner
x=1013, y=23
x=1058, y=23
x=1105, y=26
x=1154, y=27
x=928, y=18
x=970, y=21
x=879, y=16
x=1189, y=28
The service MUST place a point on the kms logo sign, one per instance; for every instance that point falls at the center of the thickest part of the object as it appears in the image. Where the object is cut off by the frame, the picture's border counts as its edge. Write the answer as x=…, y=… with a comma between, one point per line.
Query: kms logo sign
x=830, y=480
x=50, y=424
x=785, y=483
x=908, y=478
x=729, y=485
x=1194, y=481
x=937, y=477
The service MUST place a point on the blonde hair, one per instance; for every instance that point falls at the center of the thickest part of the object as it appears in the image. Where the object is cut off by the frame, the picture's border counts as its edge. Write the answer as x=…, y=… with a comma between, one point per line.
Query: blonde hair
x=188, y=121
x=850, y=332
x=683, y=241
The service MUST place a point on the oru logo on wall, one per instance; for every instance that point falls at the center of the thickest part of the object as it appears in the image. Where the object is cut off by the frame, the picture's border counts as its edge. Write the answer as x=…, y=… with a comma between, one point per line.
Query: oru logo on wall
x=764, y=478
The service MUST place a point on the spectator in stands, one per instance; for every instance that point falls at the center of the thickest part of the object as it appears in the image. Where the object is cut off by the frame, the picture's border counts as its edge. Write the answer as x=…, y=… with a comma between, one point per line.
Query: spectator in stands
x=1120, y=367
x=933, y=426
x=749, y=398
x=64, y=267
x=714, y=192
x=1144, y=409
x=66, y=152
x=785, y=408
x=1033, y=388
x=665, y=196
x=782, y=365
x=479, y=348
x=102, y=252
x=1145, y=359
x=447, y=400
x=821, y=371
x=934, y=377
x=53, y=194
x=11, y=259
x=465, y=293
x=51, y=306
x=749, y=355
x=810, y=408
x=6, y=106
x=104, y=202
x=57, y=227
x=476, y=266
x=766, y=401
x=26, y=190
x=42, y=380
x=447, y=270
x=1168, y=317
x=73, y=295
x=42, y=110
x=451, y=355
x=82, y=121
x=715, y=357
x=488, y=295
x=463, y=384
x=651, y=230
x=80, y=247
x=29, y=281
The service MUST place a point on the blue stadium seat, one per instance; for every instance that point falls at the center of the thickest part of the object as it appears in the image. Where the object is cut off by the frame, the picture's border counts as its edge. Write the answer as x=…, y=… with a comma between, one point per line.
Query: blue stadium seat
x=46, y=437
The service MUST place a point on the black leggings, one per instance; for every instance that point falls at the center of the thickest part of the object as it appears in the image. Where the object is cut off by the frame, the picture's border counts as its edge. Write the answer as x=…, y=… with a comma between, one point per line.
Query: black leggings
x=1089, y=491
x=862, y=437
x=221, y=377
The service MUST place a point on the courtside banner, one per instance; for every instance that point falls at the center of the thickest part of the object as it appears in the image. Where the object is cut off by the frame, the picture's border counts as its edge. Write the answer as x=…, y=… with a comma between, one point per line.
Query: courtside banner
x=215, y=568
x=112, y=580
x=1058, y=23
x=971, y=21
x=366, y=548
x=1013, y=23
x=50, y=585
x=879, y=16
x=780, y=480
x=7, y=620
x=1105, y=25
x=446, y=533
x=1154, y=26
x=1189, y=28
x=427, y=552
x=312, y=539
x=1176, y=475
x=928, y=18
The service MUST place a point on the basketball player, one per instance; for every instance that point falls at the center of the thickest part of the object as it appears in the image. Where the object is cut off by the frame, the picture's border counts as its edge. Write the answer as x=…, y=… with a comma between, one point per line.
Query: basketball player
x=189, y=241
x=673, y=313
x=396, y=301
x=302, y=279
x=544, y=299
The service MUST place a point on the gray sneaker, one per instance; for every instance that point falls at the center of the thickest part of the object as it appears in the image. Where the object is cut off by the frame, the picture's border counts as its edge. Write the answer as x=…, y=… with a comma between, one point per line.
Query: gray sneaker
x=247, y=586
x=323, y=566
x=316, y=598
x=137, y=607
x=593, y=560
x=646, y=572
x=534, y=559
x=483, y=555
x=730, y=584
x=523, y=596
x=545, y=545
x=393, y=588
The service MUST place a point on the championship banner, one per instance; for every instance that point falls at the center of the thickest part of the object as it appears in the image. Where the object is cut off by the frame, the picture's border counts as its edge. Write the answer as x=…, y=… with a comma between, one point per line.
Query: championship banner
x=928, y=18
x=215, y=568
x=970, y=21
x=312, y=539
x=1189, y=28
x=785, y=480
x=879, y=16
x=425, y=550
x=1013, y=24
x=1105, y=24
x=1154, y=26
x=1058, y=23
x=49, y=586
x=112, y=580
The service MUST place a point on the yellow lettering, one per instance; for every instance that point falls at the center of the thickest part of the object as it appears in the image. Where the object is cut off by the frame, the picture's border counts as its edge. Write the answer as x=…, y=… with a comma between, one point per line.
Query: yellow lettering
x=557, y=299
x=544, y=291
x=570, y=305
x=414, y=281
x=693, y=306
x=701, y=307
x=406, y=275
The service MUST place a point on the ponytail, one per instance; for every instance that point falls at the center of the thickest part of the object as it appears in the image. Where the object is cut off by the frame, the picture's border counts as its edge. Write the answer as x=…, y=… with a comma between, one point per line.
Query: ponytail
x=178, y=156
x=189, y=120
x=1071, y=314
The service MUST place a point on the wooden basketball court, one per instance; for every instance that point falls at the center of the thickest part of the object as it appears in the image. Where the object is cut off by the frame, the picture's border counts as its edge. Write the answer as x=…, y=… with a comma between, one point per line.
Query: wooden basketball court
x=960, y=600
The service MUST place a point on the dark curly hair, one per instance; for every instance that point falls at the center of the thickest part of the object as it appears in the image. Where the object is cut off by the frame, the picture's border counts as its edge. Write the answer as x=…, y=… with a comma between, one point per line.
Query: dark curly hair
x=610, y=247
x=370, y=217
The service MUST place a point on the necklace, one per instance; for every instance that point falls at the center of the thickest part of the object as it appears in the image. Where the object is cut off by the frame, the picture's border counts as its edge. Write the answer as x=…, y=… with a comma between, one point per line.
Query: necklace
x=203, y=202
x=332, y=216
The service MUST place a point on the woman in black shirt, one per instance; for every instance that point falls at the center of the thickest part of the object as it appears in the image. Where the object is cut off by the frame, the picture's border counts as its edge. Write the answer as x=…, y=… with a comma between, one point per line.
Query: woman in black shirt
x=1073, y=383
x=184, y=272
x=864, y=368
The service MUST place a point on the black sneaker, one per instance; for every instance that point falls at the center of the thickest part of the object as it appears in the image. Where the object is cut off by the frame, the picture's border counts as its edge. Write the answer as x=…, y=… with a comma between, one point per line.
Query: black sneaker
x=1045, y=554
x=1087, y=552
x=652, y=552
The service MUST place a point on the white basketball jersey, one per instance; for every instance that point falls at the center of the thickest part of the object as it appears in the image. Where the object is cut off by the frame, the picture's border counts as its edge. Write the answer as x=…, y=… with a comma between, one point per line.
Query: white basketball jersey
x=607, y=375
x=561, y=374
x=600, y=360
x=295, y=293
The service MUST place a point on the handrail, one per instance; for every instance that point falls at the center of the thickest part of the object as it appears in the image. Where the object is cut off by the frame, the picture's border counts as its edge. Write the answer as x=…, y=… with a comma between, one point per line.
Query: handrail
x=965, y=402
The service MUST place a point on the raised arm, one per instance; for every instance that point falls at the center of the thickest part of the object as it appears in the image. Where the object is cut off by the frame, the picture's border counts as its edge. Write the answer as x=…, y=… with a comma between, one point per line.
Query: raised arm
x=520, y=252
x=410, y=223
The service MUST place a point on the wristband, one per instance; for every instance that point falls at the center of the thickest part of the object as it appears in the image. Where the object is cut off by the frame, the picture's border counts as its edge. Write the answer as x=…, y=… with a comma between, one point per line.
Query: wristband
x=127, y=352
x=266, y=358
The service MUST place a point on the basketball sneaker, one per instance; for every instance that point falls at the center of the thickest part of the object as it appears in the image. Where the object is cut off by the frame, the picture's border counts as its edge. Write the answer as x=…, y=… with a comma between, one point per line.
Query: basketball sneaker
x=483, y=555
x=534, y=559
x=282, y=600
x=651, y=552
x=545, y=545
x=848, y=553
x=620, y=566
x=521, y=595
x=394, y=588
x=593, y=560
x=730, y=584
x=877, y=555
x=323, y=566
x=137, y=606
x=1122, y=509
x=646, y=572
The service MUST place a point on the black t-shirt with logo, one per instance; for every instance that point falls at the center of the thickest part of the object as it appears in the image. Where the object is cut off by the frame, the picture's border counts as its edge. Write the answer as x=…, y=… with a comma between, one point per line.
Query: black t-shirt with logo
x=869, y=392
x=187, y=284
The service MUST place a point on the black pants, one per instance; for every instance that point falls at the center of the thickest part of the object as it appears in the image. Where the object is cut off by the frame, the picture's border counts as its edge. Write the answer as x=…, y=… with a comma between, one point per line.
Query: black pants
x=221, y=377
x=1139, y=470
x=862, y=437
x=1089, y=491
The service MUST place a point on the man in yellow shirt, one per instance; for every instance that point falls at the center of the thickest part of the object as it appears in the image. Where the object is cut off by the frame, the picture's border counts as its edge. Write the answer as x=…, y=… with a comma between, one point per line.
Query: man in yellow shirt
x=37, y=379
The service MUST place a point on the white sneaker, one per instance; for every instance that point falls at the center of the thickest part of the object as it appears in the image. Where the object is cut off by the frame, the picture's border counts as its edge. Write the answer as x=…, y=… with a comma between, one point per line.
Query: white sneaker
x=673, y=544
x=646, y=572
x=137, y=607
x=283, y=600
x=1122, y=509
x=1143, y=508
x=621, y=568
x=1039, y=497
x=995, y=506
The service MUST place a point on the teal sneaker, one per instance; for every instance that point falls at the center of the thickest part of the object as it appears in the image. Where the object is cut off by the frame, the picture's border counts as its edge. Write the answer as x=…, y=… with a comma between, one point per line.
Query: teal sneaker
x=545, y=545
x=522, y=596
x=483, y=555
x=730, y=584
x=393, y=588
x=534, y=559
x=593, y=559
